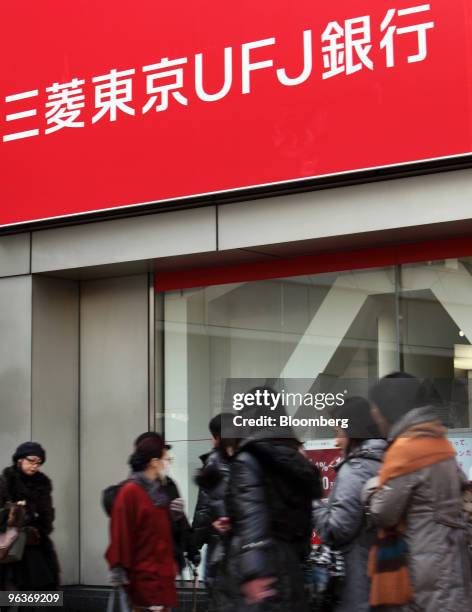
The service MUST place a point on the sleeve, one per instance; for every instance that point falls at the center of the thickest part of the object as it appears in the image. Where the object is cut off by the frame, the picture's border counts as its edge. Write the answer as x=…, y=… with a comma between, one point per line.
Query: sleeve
x=216, y=502
x=124, y=518
x=202, y=520
x=388, y=504
x=46, y=513
x=250, y=519
x=339, y=521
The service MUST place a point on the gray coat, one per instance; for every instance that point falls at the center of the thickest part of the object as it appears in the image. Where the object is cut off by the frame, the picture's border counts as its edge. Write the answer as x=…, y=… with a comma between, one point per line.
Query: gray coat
x=429, y=501
x=341, y=522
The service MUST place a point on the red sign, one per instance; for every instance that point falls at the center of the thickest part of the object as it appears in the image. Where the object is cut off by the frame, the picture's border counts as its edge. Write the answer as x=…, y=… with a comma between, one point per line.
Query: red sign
x=111, y=104
x=325, y=459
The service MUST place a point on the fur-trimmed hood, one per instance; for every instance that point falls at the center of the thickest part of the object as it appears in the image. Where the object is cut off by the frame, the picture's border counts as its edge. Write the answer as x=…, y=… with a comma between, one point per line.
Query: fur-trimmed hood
x=213, y=472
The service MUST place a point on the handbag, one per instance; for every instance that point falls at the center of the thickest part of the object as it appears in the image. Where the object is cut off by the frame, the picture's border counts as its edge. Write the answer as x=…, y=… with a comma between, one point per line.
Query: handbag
x=325, y=577
x=17, y=548
x=118, y=601
x=6, y=541
x=13, y=540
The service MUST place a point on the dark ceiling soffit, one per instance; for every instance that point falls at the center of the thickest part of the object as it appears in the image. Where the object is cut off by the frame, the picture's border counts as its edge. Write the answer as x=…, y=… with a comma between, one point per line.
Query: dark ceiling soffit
x=252, y=193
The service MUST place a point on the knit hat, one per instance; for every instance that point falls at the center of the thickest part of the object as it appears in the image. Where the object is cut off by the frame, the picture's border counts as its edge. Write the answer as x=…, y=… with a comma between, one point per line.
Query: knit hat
x=29, y=449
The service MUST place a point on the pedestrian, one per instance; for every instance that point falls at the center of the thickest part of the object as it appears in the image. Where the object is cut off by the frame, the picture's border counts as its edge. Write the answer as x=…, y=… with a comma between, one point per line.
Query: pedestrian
x=182, y=533
x=271, y=489
x=340, y=520
x=210, y=521
x=420, y=560
x=24, y=483
x=141, y=551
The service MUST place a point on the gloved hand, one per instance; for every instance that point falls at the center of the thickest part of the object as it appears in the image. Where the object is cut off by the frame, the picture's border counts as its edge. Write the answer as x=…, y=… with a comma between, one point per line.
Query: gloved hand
x=177, y=508
x=118, y=576
x=194, y=557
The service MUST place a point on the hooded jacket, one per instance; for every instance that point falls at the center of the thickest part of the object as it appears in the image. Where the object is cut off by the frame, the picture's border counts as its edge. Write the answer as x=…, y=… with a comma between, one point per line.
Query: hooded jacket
x=429, y=503
x=270, y=493
x=342, y=524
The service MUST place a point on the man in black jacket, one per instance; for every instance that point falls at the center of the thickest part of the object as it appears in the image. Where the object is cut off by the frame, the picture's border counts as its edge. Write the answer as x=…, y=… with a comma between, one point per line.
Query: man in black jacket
x=210, y=522
x=271, y=489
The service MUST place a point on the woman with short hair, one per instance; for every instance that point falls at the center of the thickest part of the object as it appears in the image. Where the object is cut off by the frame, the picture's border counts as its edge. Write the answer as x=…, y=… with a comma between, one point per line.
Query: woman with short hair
x=141, y=553
x=340, y=520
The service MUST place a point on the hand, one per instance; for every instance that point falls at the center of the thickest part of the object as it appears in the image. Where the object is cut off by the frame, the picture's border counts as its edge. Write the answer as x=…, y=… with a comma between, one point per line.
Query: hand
x=177, y=508
x=222, y=525
x=194, y=558
x=118, y=577
x=257, y=590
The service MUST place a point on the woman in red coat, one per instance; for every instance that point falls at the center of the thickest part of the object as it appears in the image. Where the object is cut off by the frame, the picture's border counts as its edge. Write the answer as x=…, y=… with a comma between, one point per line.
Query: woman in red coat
x=140, y=554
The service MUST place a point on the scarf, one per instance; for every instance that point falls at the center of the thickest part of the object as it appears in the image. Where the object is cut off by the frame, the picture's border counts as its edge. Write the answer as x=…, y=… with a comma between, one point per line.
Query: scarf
x=418, y=447
x=152, y=488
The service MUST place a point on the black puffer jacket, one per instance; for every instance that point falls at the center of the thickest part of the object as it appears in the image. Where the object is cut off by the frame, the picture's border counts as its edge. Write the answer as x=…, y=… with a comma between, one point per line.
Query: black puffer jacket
x=212, y=480
x=272, y=486
x=39, y=567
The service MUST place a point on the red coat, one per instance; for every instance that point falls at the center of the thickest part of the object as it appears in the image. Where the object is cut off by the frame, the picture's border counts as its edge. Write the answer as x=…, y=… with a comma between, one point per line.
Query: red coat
x=141, y=542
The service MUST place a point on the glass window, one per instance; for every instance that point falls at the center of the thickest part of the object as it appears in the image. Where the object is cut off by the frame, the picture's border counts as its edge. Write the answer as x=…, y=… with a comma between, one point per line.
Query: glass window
x=357, y=325
x=318, y=328
x=435, y=333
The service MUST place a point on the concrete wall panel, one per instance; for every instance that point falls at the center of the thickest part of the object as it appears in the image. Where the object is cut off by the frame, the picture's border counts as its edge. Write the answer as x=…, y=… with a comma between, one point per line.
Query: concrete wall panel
x=125, y=240
x=15, y=364
x=15, y=255
x=113, y=400
x=55, y=410
x=386, y=205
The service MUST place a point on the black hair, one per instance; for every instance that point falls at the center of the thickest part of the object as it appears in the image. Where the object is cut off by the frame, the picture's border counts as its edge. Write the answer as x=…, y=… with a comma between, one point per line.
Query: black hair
x=149, y=447
x=360, y=426
x=395, y=395
x=215, y=426
x=150, y=435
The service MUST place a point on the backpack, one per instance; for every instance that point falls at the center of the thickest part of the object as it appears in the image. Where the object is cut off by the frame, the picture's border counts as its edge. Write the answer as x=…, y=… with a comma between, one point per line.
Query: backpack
x=109, y=495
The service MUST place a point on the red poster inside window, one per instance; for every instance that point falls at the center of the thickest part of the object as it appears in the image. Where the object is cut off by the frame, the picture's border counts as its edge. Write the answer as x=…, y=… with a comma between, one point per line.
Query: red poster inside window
x=112, y=104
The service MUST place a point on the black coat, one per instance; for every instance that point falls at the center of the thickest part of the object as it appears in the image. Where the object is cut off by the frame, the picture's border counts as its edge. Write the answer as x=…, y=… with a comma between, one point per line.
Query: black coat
x=270, y=494
x=181, y=529
x=212, y=480
x=39, y=567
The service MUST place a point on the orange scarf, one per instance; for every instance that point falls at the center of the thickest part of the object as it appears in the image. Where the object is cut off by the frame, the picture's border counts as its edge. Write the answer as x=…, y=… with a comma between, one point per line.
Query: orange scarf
x=418, y=447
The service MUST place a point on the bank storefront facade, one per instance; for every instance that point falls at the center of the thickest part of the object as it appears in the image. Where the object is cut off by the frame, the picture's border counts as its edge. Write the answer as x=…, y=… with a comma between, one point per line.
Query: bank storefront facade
x=132, y=318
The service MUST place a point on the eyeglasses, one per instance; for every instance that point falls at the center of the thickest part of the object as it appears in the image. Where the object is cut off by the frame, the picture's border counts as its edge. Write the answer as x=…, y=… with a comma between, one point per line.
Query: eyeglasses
x=34, y=461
